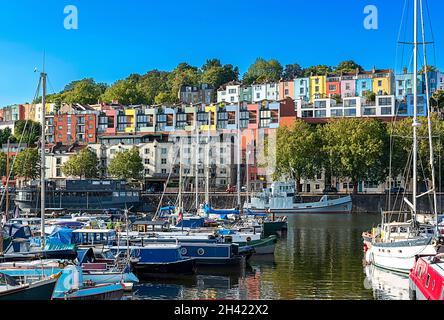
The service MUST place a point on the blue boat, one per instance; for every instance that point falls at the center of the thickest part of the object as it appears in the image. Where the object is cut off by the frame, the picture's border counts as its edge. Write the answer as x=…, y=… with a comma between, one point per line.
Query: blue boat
x=73, y=286
x=157, y=259
x=204, y=251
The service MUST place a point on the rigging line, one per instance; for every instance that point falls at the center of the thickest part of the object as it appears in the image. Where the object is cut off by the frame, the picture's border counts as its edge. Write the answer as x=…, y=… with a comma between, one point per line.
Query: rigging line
x=399, y=36
x=431, y=31
x=19, y=146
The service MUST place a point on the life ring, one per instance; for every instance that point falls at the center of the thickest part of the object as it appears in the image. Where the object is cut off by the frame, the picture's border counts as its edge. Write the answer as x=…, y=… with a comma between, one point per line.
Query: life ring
x=183, y=251
x=201, y=251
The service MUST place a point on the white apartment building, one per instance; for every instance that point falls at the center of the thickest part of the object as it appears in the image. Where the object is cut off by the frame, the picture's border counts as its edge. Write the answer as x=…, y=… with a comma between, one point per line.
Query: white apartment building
x=229, y=93
x=267, y=91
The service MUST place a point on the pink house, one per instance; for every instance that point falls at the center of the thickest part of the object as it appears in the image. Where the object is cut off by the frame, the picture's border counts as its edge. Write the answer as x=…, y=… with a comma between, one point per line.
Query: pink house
x=348, y=86
x=286, y=89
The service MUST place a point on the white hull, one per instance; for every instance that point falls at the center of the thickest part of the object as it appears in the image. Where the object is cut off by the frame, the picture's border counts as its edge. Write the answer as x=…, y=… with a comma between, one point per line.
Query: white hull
x=341, y=205
x=399, y=258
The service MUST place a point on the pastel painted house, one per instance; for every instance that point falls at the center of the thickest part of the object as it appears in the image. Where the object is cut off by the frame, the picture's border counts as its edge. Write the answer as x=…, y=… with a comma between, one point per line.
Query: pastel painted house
x=318, y=88
x=348, y=86
x=333, y=86
x=286, y=89
x=302, y=89
x=229, y=92
x=364, y=84
x=383, y=82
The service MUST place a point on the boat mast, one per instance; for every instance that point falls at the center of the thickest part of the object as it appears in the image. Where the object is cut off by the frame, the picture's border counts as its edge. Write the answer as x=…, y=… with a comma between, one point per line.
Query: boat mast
x=180, y=174
x=415, y=106
x=207, y=184
x=42, y=160
x=239, y=204
x=196, y=184
x=429, y=121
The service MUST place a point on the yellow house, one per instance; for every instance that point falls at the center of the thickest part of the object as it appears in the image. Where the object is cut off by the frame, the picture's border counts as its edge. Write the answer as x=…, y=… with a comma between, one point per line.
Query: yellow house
x=212, y=110
x=318, y=87
x=130, y=115
x=383, y=82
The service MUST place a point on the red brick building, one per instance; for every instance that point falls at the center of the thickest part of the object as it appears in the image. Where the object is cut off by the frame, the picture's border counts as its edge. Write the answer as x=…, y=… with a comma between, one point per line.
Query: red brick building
x=80, y=128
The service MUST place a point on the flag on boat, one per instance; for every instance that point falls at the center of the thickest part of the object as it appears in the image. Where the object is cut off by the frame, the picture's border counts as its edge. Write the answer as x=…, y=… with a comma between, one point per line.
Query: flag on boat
x=179, y=220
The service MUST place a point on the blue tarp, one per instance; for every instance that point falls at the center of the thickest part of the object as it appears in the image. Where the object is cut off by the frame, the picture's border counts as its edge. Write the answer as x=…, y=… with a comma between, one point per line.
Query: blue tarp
x=256, y=214
x=85, y=255
x=64, y=235
x=193, y=223
x=225, y=232
x=223, y=212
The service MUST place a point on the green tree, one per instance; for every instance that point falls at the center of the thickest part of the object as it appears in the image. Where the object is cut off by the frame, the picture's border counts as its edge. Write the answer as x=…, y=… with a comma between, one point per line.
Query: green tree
x=27, y=164
x=3, y=161
x=356, y=149
x=402, y=134
x=292, y=71
x=5, y=134
x=319, y=70
x=348, y=66
x=370, y=95
x=83, y=165
x=85, y=91
x=183, y=74
x=216, y=74
x=263, y=71
x=126, y=165
x=127, y=92
x=154, y=83
x=298, y=152
x=27, y=131
x=437, y=99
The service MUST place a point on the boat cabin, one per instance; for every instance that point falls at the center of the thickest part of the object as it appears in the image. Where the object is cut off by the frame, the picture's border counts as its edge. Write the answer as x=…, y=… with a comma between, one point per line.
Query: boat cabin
x=398, y=231
x=145, y=226
x=93, y=237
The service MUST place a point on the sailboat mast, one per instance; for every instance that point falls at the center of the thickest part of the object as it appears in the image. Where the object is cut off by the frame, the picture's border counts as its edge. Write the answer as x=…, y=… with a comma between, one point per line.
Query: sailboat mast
x=180, y=173
x=239, y=156
x=207, y=183
x=415, y=105
x=42, y=161
x=197, y=166
x=429, y=120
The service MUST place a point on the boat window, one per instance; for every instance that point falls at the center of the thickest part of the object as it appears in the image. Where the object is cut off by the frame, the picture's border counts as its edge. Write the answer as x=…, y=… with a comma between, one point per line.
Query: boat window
x=428, y=281
x=433, y=285
x=393, y=229
x=403, y=229
x=419, y=272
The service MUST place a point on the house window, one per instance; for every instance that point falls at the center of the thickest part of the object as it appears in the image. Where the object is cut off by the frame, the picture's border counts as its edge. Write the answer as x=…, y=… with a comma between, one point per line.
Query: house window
x=317, y=81
x=379, y=83
x=147, y=161
x=58, y=172
x=164, y=171
x=58, y=161
x=164, y=151
x=317, y=89
x=286, y=92
x=258, y=95
x=164, y=161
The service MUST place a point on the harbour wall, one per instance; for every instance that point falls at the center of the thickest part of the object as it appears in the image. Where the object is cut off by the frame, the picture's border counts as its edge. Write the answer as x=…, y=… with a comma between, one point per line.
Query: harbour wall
x=362, y=203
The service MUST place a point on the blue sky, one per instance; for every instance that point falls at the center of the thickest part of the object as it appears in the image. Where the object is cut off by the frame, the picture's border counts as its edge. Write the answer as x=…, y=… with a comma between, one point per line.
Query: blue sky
x=117, y=38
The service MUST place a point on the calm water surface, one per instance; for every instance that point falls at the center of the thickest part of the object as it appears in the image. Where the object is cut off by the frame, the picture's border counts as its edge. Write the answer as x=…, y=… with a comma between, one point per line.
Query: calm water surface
x=320, y=257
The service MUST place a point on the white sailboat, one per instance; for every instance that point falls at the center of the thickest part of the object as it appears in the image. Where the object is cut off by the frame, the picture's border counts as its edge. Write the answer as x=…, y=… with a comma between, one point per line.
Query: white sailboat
x=394, y=245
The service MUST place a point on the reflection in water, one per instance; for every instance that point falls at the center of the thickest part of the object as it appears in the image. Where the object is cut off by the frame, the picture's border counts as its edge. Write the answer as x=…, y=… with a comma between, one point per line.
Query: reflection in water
x=387, y=285
x=320, y=257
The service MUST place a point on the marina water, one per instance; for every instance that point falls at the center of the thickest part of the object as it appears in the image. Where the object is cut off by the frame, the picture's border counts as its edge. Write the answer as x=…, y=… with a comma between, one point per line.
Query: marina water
x=319, y=257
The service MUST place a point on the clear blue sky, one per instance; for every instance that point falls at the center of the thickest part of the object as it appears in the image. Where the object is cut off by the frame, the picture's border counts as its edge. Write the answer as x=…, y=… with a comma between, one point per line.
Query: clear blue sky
x=116, y=38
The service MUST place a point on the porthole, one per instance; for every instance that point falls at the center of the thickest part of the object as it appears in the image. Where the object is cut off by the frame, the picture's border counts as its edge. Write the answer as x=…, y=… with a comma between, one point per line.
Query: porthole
x=248, y=239
x=201, y=251
x=183, y=251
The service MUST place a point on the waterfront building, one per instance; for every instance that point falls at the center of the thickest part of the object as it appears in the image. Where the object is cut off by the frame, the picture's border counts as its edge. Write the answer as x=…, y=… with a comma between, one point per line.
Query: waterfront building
x=333, y=86
x=57, y=155
x=266, y=91
x=364, y=84
x=383, y=82
x=229, y=92
x=348, y=85
x=286, y=89
x=440, y=79
x=202, y=93
x=302, y=89
x=317, y=88
x=79, y=128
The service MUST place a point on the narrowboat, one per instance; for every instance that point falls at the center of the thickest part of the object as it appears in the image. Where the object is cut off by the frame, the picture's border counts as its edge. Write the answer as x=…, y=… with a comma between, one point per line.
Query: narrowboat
x=156, y=259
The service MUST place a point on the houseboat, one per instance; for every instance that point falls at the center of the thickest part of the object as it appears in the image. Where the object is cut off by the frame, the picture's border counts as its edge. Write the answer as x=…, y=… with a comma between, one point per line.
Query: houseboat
x=80, y=195
x=281, y=198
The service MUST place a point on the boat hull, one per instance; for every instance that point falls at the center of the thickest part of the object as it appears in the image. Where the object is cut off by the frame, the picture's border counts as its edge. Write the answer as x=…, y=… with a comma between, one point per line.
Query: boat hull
x=101, y=292
x=150, y=270
x=41, y=290
x=399, y=256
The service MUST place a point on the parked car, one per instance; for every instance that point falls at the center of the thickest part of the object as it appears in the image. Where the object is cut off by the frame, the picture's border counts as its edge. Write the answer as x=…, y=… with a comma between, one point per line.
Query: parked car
x=396, y=190
x=330, y=189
